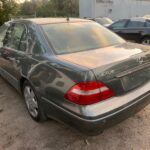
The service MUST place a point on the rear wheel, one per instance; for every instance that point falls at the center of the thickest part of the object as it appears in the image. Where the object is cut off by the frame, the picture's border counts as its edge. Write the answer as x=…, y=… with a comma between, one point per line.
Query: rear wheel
x=146, y=41
x=32, y=103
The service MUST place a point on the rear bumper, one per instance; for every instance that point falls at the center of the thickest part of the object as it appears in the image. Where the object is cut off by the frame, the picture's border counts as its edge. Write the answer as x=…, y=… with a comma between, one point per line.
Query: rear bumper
x=95, y=125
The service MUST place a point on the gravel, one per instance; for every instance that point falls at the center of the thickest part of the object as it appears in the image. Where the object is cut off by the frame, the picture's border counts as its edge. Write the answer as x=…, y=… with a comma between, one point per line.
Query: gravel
x=19, y=132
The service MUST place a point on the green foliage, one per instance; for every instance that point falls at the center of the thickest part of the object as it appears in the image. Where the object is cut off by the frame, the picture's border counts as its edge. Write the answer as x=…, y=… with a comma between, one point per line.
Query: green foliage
x=38, y=8
x=8, y=8
x=50, y=8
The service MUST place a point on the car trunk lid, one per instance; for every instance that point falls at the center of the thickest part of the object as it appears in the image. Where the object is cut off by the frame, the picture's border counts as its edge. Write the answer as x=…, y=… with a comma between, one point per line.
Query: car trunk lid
x=121, y=67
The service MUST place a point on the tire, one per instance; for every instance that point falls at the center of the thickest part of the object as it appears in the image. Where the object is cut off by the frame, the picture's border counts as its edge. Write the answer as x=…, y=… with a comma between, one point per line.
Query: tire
x=146, y=41
x=33, y=103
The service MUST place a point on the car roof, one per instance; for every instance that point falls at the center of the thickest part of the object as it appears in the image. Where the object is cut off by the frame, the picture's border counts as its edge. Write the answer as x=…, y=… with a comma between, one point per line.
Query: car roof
x=142, y=19
x=53, y=20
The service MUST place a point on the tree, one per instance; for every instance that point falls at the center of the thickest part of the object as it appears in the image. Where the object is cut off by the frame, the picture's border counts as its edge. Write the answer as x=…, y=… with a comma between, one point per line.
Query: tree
x=29, y=8
x=8, y=9
x=46, y=9
x=72, y=7
x=50, y=8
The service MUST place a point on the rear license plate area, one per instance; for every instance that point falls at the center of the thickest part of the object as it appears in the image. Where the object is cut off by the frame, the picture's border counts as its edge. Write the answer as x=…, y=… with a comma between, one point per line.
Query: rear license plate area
x=134, y=79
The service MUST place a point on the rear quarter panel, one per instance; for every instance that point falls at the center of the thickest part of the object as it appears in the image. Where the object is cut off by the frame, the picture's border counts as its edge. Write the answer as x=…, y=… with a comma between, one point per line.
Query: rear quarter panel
x=52, y=78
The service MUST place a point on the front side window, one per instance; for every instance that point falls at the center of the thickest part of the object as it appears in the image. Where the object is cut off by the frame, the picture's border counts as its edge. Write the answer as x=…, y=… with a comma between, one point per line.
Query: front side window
x=3, y=30
x=119, y=24
x=15, y=34
x=136, y=24
x=80, y=36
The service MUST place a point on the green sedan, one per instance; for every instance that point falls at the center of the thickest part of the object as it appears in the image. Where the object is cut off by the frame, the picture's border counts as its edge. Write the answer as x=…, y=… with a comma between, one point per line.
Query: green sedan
x=75, y=71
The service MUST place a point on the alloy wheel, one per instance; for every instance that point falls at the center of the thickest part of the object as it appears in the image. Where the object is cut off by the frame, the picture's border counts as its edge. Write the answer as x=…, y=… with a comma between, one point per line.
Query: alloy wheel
x=31, y=101
x=146, y=42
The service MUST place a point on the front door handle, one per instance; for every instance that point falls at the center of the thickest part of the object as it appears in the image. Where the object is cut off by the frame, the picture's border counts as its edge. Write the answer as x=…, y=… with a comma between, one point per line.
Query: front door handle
x=5, y=54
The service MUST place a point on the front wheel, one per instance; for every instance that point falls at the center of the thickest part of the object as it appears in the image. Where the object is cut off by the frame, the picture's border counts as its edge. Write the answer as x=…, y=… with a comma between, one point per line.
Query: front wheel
x=146, y=41
x=32, y=103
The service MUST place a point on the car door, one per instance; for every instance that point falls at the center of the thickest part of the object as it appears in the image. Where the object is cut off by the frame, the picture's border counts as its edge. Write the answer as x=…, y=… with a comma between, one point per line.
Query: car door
x=119, y=27
x=13, y=53
x=135, y=30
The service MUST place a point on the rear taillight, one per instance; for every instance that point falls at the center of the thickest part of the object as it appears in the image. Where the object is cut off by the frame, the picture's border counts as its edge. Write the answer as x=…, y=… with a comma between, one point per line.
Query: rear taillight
x=86, y=93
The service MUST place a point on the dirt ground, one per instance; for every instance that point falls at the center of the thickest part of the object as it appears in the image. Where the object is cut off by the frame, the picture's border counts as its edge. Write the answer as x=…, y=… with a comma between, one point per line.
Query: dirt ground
x=19, y=132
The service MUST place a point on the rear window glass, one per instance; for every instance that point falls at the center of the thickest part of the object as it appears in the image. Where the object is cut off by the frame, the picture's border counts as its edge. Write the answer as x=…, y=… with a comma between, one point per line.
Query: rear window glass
x=136, y=24
x=76, y=37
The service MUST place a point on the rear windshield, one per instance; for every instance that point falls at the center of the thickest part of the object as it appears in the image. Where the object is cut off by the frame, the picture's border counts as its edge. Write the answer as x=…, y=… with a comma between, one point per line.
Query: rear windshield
x=77, y=37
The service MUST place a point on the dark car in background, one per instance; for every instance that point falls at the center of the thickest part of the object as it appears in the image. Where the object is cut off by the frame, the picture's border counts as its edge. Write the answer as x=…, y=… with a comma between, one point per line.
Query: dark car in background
x=104, y=21
x=135, y=30
x=75, y=71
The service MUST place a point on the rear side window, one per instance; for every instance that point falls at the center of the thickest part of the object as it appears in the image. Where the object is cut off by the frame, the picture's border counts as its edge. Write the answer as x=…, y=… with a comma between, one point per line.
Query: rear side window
x=80, y=36
x=148, y=24
x=119, y=24
x=136, y=24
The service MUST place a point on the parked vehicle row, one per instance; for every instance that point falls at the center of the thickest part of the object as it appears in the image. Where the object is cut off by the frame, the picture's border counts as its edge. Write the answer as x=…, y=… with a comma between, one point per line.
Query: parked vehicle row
x=134, y=30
